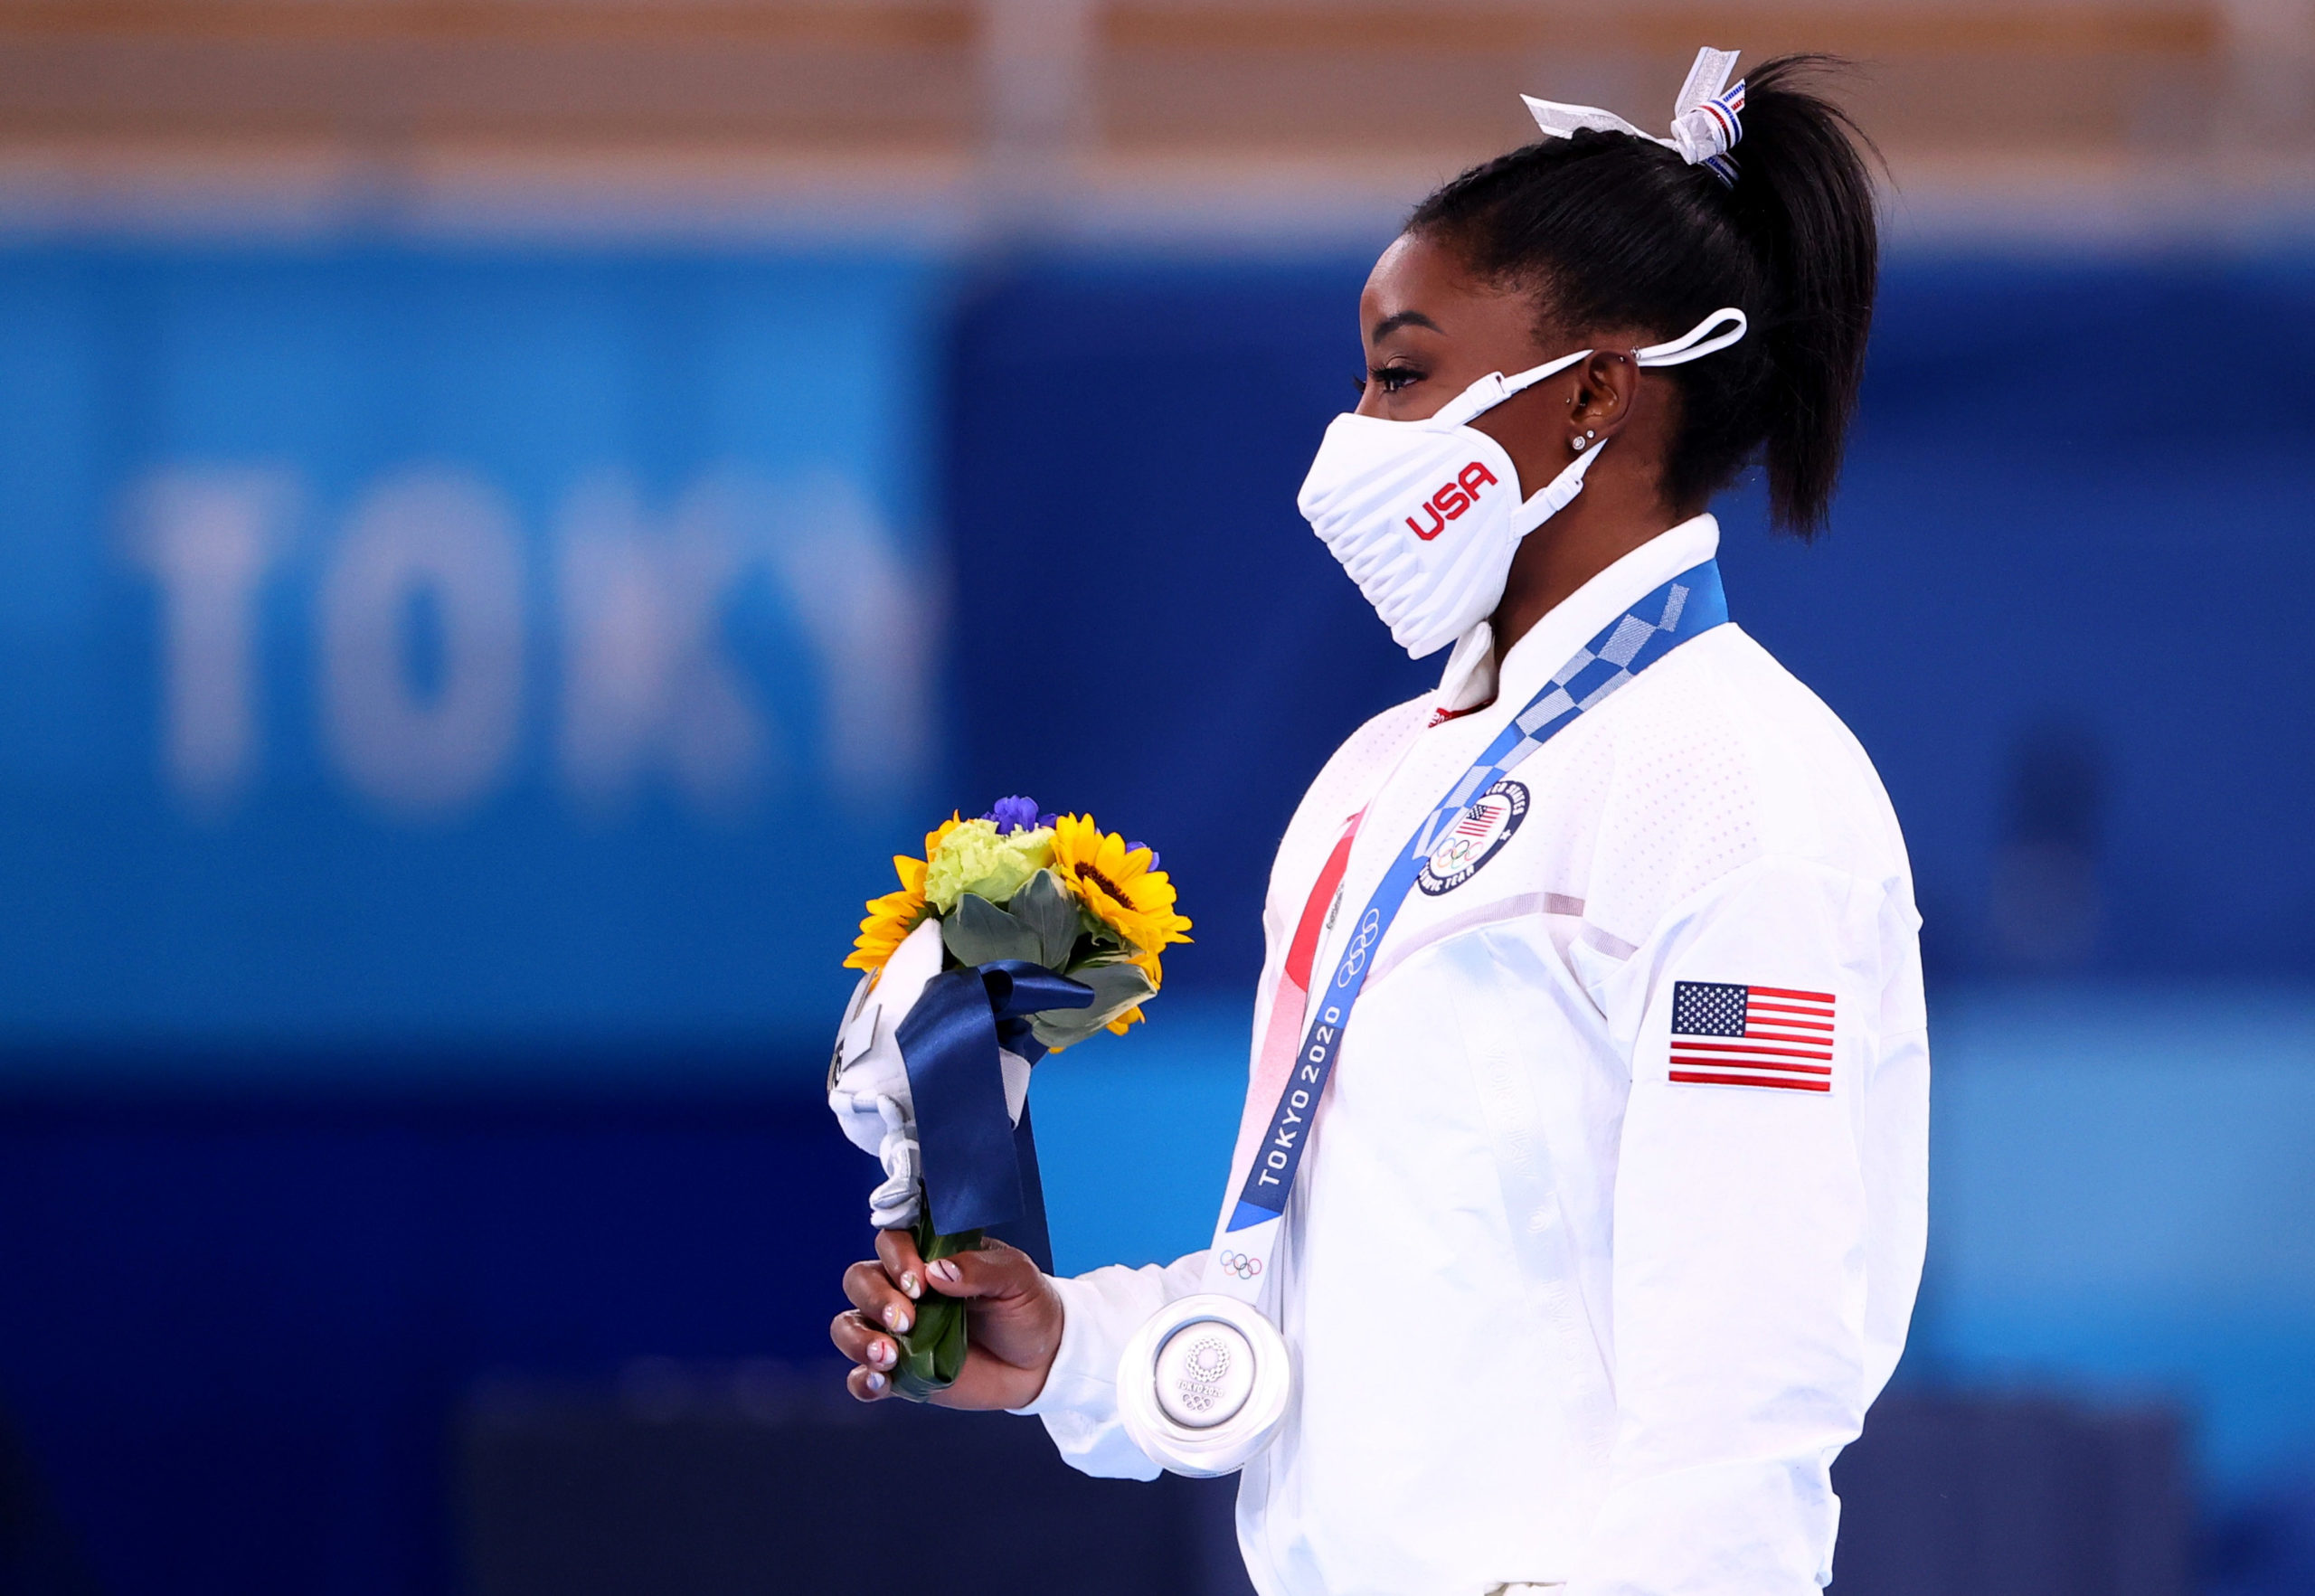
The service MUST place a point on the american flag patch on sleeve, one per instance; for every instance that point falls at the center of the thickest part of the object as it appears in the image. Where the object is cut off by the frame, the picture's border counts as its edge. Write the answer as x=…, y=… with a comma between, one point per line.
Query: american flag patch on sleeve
x=1725, y=1035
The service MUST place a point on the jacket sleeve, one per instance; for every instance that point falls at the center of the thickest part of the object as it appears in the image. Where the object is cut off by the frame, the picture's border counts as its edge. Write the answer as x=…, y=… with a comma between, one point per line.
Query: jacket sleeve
x=1745, y=1229
x=1100, y=1313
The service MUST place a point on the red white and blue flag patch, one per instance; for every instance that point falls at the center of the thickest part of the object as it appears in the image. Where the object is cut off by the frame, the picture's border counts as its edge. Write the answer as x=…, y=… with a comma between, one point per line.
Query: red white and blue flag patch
x=1725, y=1035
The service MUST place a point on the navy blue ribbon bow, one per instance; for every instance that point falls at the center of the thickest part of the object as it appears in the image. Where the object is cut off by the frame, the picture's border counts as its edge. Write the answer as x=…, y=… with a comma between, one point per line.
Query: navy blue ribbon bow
x=980, y=1169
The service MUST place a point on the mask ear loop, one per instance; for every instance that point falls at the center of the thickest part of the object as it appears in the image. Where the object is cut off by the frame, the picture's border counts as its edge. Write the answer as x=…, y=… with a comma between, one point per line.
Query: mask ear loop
x=1557, y=493
x=1494, y=388
x=1698, y=341
x=1713, y=334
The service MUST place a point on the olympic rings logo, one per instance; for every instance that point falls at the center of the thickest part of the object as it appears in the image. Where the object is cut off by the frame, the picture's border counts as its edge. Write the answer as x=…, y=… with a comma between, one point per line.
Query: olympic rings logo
x=1369, y=930
x=1239, y=1264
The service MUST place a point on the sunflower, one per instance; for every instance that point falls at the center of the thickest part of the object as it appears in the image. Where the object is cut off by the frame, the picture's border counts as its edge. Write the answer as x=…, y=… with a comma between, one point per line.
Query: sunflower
x=1115, y=885
x=892, y=917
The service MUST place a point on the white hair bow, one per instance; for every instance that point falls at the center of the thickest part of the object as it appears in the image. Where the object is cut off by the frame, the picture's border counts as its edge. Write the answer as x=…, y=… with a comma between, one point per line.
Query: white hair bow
x=1706, y=120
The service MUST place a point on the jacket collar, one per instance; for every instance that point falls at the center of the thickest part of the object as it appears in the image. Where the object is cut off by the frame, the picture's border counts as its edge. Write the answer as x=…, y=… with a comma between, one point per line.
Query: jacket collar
x=1475, y=677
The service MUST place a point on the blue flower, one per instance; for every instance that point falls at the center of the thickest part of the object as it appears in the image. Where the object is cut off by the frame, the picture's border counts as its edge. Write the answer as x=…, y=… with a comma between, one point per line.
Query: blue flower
x=1016, y=813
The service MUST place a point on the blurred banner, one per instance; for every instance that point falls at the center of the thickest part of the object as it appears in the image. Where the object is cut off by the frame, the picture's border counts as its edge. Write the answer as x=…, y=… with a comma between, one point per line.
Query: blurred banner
x=400, y=646
x=516, y=650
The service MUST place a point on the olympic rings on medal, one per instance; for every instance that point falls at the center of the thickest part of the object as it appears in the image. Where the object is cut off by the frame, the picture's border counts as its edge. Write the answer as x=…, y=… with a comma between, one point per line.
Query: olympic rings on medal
x=1239, y=1264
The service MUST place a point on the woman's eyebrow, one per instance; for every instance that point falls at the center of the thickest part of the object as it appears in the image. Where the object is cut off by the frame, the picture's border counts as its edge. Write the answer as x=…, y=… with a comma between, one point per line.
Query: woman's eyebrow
x=1404, y=318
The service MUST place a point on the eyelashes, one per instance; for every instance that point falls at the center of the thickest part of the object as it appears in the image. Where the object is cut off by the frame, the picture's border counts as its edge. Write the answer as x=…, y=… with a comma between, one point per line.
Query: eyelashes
x=1392, y=379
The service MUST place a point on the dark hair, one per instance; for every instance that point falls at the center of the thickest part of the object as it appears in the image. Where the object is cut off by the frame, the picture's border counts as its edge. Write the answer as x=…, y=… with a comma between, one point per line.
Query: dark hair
x=1609, y=230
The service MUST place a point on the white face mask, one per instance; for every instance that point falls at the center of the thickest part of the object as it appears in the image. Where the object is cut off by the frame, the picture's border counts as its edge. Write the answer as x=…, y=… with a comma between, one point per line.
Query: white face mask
x=1426, y=515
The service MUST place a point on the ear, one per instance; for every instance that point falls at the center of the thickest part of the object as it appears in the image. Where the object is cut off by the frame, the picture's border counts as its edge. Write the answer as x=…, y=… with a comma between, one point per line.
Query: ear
x=1600, y=399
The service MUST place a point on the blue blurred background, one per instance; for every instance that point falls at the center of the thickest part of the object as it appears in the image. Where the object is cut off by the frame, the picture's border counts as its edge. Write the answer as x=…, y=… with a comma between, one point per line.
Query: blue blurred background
x=466, y=651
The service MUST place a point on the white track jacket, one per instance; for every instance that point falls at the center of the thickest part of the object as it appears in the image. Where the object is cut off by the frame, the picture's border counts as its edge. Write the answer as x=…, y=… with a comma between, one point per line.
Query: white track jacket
x=1612, y=1217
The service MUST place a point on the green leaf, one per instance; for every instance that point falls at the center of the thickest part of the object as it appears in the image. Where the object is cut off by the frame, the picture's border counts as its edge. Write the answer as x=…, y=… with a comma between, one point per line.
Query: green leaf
x=1105, y=937
x=1116, y=987
x=949, y=1352
x=933, y=1348
x=978, y=932
x=917, y=1375
x=1045, y=907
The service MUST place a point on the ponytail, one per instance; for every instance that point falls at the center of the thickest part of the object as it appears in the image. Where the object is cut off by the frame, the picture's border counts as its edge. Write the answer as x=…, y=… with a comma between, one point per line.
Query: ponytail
x=1609, y=230
x=1805, y=200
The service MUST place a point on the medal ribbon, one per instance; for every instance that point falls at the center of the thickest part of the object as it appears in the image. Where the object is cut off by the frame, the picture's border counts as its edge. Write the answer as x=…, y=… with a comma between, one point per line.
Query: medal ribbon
x=1288, y=1004
x=1691, y=603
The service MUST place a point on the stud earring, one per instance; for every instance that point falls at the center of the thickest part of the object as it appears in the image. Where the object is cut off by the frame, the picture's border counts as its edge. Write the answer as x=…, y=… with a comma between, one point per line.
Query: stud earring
x=1576, y=444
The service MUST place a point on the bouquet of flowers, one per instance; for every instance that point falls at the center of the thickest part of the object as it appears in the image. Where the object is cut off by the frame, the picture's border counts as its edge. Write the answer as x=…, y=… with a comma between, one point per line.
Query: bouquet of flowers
x=1017, y=934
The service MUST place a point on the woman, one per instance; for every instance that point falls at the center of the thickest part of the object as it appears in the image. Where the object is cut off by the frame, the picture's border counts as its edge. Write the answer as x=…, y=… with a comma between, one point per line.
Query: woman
x=1607, y=1227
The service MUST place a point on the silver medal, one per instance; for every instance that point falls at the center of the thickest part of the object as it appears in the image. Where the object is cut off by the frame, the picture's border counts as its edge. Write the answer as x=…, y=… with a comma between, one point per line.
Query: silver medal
x=1203, y=1384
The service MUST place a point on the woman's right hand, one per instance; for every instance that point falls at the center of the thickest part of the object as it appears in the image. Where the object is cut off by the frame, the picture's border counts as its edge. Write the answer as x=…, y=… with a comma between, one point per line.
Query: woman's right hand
x=1012, y=1316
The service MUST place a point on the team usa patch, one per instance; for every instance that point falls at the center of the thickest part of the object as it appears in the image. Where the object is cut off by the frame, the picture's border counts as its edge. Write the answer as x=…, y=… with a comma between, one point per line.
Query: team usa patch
x=1726, y=1035
x=1477, y=836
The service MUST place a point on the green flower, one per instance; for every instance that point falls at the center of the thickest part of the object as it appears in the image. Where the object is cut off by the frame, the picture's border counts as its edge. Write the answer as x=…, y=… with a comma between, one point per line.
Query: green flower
x=973, y=858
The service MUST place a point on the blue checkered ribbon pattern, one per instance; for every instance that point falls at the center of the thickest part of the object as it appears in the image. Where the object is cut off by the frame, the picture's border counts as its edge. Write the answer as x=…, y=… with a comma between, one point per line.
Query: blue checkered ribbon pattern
x=1689, y=605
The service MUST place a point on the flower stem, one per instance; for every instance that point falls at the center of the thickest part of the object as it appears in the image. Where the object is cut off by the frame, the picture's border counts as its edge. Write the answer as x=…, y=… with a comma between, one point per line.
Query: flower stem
x=933, y=1350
